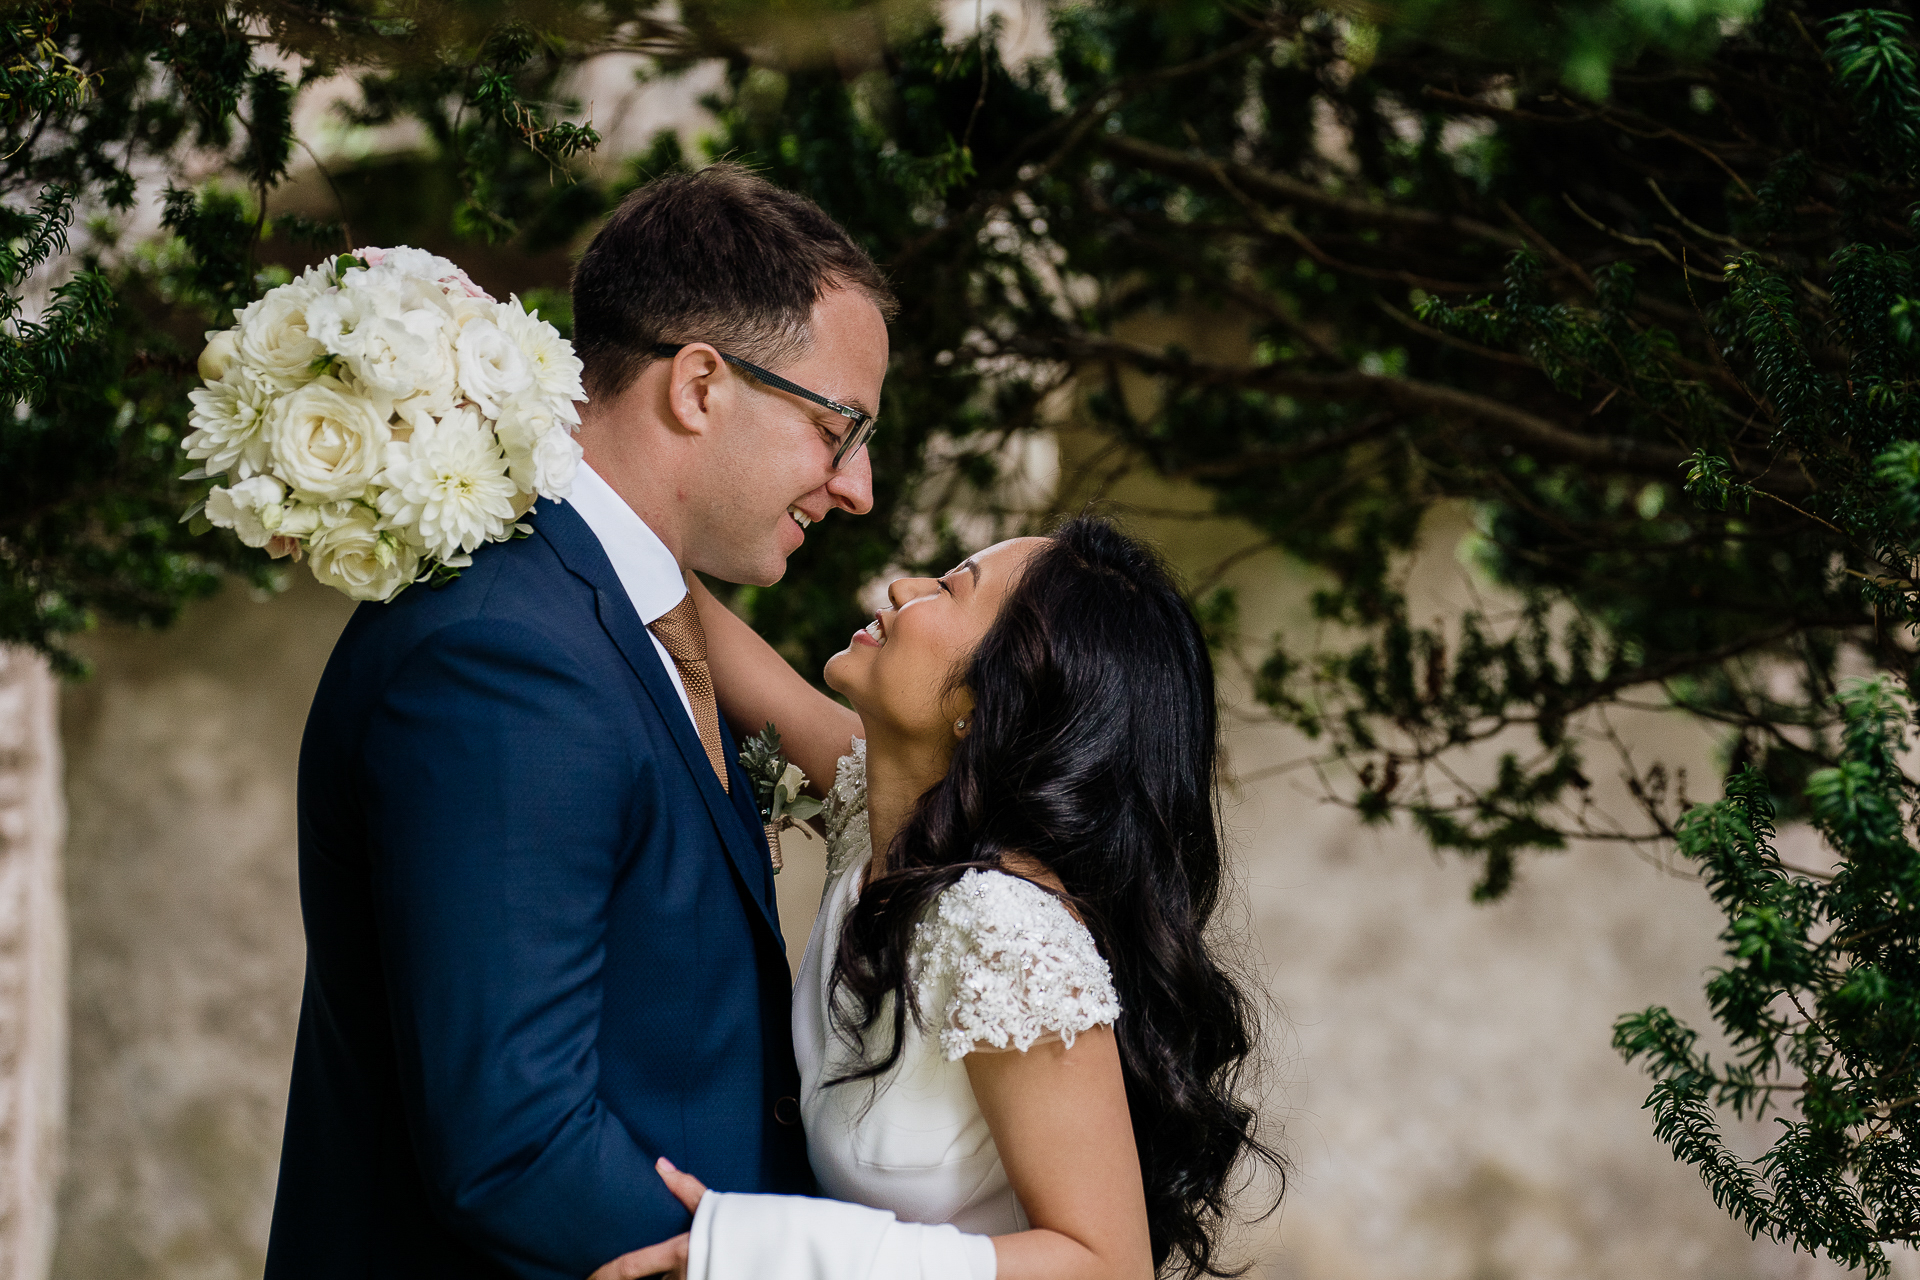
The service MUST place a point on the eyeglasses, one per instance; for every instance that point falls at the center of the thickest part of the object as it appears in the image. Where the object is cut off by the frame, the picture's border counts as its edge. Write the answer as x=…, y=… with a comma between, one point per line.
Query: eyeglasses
x=861, y=426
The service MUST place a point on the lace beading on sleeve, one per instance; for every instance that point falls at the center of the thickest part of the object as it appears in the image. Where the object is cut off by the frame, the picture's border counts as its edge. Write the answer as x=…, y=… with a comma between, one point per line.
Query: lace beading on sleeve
x=849, y=839
x=1003, y=964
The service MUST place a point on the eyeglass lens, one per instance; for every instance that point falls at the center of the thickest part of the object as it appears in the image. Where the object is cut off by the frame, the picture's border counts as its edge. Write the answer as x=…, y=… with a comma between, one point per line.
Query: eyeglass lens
x=857, y=436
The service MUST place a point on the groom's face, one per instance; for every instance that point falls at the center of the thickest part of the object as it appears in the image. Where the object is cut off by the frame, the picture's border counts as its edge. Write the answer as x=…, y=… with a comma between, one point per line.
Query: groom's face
x=770, y=472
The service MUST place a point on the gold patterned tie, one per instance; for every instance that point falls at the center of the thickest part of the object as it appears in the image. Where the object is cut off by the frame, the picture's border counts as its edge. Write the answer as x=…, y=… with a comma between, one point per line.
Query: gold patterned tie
x=686, y=642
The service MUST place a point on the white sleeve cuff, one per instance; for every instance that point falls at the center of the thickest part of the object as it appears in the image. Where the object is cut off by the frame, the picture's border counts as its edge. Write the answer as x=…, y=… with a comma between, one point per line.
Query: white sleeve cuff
x=755, y=1237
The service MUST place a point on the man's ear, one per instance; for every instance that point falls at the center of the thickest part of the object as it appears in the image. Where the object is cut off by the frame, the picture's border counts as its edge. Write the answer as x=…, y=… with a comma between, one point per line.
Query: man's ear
x=698, y=384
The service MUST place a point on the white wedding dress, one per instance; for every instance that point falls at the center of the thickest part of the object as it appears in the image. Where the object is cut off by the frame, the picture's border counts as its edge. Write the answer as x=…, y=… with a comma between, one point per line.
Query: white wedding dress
x=999, y=965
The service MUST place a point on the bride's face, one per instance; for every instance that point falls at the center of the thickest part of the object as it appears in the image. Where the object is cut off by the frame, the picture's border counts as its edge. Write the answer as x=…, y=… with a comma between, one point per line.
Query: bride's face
x=898, y=670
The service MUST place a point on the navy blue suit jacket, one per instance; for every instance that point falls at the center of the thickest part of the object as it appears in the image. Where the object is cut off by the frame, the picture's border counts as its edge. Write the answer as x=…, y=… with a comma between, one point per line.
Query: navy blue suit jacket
x=542, y=948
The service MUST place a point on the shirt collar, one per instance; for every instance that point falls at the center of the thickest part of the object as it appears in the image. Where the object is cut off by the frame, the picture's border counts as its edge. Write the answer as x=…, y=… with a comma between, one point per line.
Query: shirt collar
x=645, y=567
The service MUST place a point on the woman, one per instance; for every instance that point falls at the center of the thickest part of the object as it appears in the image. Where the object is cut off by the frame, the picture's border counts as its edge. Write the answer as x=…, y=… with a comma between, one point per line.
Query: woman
x=1008, y=1019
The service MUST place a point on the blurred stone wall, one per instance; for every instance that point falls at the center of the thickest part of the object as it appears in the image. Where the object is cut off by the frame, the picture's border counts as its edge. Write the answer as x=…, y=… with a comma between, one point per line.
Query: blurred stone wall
x=1439, y=1072
x=185, y=917
x=33, y=961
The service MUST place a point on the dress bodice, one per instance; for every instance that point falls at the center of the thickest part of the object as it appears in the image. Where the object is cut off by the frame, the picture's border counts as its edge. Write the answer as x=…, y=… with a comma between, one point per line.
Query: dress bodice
x=998, y=964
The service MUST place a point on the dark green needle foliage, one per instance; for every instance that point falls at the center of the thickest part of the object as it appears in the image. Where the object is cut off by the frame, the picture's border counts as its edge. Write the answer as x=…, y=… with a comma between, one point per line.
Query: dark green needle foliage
x=98, y=337
x=1819, y=1003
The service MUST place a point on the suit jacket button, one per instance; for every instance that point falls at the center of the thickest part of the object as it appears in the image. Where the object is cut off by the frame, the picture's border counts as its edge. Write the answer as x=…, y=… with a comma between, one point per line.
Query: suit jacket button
x=787, y=1111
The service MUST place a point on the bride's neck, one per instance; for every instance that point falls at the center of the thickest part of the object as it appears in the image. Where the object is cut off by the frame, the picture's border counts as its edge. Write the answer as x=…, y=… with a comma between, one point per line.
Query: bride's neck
x=898, y=774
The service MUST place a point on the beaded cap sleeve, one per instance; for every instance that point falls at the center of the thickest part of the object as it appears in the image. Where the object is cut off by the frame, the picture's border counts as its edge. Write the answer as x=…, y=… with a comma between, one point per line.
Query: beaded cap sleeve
x=849, y=839
x=1004, y=965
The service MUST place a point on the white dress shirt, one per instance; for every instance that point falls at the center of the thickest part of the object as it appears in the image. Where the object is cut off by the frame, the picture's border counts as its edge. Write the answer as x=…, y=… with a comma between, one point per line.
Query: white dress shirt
x=642, y=562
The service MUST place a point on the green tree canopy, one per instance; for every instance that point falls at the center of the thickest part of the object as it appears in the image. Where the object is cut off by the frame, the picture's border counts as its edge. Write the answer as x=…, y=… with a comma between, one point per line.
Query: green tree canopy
x=1633, y=282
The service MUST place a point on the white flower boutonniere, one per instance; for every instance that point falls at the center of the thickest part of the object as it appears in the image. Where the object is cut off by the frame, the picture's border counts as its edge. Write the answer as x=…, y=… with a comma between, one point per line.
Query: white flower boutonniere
x=779, y=788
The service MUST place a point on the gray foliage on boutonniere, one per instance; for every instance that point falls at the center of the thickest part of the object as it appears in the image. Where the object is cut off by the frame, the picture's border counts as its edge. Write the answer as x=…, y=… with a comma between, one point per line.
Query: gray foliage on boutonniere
x=779, y=788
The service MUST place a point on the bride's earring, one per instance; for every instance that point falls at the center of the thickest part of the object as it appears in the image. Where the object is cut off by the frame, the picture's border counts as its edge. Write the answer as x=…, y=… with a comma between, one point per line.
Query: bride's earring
x=960, y=725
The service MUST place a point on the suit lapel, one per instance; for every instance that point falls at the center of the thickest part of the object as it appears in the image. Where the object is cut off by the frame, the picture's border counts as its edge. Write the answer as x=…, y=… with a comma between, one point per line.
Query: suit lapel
x=581, y=552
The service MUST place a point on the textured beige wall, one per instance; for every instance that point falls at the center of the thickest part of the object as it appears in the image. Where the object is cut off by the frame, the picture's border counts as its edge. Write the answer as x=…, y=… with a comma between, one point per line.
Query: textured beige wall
x=33, y=961
x=187, y=950
x=1442, y=1073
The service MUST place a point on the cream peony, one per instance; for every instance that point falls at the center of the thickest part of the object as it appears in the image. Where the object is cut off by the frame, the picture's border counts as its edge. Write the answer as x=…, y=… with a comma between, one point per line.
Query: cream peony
x=447, y=484
x=335, y=318
x=228, y=423
x=405, y=356
x=244, y=508
x=327, y=443
x=353, y=555
x=273, y=337
x=492, y=368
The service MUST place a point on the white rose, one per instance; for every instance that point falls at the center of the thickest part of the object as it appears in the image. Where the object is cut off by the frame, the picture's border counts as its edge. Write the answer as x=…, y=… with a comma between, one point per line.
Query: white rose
x=556, y=370
x=542, y=454
x=222, y=352
x=243, y=507
x=447, y=485
x=292, y=519
x=274, y=341
x=492, y=368
x=521, y=425
x=228, y=423
x=555, y=459
x=354, y=556
x=327, y=443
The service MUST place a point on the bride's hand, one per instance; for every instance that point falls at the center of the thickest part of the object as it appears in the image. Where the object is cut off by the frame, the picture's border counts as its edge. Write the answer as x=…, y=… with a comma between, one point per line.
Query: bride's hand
x=669, y=1257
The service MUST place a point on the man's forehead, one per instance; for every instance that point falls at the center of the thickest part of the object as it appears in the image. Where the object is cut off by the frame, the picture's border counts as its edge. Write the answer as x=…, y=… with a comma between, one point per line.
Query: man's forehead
x=847, y=359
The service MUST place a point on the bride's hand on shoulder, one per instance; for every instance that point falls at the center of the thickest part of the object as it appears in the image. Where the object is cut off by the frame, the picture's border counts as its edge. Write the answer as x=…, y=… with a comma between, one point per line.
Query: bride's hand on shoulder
x=669, y=1257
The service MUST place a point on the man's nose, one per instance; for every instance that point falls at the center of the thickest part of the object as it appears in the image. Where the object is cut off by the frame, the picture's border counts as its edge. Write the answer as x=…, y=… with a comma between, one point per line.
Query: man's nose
x=851, y=487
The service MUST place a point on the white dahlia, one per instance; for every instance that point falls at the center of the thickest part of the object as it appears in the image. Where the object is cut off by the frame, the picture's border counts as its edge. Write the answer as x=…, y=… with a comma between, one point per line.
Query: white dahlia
x=556, y=370
x=228, y=423
x=447, y=485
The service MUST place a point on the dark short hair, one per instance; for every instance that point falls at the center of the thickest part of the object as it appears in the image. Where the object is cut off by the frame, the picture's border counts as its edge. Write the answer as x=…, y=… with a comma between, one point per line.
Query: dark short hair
x=720, y=256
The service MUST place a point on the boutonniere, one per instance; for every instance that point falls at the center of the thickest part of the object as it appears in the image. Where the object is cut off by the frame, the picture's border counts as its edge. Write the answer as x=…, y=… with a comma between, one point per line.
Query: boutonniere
x=779, y=788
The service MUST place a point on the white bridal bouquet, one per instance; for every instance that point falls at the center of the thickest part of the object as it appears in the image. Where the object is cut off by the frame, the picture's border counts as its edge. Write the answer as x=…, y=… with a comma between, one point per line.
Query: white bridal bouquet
x=380, y=417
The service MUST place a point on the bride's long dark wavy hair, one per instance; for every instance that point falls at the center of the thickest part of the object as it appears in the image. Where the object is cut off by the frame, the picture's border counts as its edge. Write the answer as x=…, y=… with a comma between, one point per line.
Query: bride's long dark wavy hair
x=1093, y=748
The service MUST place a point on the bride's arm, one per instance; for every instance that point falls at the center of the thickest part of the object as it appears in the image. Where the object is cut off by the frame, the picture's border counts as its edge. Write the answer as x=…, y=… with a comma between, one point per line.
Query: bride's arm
x=1059, y=1118
x=753, y=685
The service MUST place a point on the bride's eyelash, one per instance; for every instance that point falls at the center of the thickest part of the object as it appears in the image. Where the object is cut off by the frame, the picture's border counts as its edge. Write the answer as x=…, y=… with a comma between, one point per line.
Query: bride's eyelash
x=944, y=586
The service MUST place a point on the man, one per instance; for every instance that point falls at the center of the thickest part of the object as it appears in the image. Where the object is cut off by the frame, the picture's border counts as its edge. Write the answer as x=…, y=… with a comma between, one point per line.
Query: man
x=542, y=942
